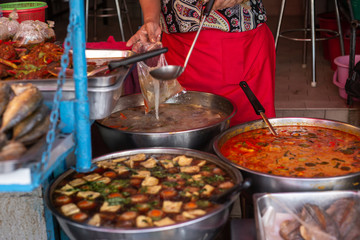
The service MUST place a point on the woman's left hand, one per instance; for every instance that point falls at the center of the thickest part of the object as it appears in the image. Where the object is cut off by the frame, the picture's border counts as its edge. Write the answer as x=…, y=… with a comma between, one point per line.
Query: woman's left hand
x=221, y=4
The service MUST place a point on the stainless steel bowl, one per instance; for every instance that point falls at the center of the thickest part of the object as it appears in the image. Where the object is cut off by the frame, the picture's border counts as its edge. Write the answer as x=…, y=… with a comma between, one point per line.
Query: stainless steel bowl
x=205, y=227
x=198, y=138
x=262, y=182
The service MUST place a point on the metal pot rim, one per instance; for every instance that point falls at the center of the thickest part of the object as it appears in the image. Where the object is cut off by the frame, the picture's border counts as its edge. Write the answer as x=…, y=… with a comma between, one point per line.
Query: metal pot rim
x=234, y=172
x=273, y=122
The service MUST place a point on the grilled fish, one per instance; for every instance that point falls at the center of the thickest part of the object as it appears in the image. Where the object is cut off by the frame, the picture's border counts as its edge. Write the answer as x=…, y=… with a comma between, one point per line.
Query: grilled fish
x=322, y=225
x=5, y=92
x=38, y=131
x=20, y=107
x=13, y=150
x=30, y=122
x=290, y=230
x=20, y=87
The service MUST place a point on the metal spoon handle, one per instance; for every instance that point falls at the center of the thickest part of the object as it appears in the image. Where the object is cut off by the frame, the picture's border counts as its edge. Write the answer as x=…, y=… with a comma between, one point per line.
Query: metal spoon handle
x=137, y=58
x=259, y=109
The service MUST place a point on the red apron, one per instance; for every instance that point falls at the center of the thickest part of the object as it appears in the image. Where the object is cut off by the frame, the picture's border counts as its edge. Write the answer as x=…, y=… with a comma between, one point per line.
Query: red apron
x=221, y=60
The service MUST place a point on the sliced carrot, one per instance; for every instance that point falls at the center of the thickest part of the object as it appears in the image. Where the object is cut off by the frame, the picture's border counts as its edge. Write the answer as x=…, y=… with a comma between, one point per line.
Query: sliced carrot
x=155, y=213
x=135, y=181
x=109, y=174
x=114, y=195
x=61, y=200
x=190, y=205
x=79, y=216
x=168, y=193
x=86, y=204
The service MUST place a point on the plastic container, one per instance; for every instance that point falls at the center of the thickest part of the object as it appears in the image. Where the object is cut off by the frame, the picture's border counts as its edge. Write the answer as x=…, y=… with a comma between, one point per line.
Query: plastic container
x=342, y=73
x=26, y=10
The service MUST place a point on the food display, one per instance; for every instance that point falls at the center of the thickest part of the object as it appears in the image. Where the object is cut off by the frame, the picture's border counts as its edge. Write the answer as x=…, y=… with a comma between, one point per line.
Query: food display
x=142, y=190
x=172, y=117
x=24, y=119
x=298, y=151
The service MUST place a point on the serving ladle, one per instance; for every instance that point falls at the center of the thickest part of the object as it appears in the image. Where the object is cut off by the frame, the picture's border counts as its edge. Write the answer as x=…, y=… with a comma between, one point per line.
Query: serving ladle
x=171, y=72
x=259, y=109
x=114, y=64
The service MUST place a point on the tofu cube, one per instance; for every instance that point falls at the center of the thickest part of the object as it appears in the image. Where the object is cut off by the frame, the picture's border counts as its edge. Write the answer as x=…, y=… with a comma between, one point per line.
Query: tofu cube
x=207, y=189
x=150, y=163
x=190, y=169
x=171, y=207
x=77, y=182
x=201, y=163
x=149, y=181
x=120, y=169
x=182, y=160
x=66, y=190
x=117, y=160
x=153, y=189
x=143, y=221
x=106, y=164
x=105, y=180
x=95, y=220
x=138, y=157
x=167, y=163
x=106, y=207
x=88, y=195
x=92, y=177
x=69, y=209
x=142, y=174
x=164, y=222
x=193, y=213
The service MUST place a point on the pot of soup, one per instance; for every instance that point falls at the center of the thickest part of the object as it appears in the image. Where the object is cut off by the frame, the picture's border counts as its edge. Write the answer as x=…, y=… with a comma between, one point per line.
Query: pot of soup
x=190, y=120
x=150, y=193
x=307, y=155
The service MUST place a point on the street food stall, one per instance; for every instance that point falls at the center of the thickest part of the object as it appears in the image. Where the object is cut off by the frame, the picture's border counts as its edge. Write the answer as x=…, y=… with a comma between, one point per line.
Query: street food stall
x=164, y=178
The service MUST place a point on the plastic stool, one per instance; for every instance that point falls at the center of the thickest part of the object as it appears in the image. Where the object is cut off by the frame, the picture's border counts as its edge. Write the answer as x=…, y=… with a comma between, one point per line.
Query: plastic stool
x=108, y=12
x=312, y=29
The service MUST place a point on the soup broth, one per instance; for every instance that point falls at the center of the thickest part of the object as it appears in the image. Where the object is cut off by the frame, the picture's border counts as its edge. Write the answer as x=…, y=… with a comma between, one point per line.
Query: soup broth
x=172, y=117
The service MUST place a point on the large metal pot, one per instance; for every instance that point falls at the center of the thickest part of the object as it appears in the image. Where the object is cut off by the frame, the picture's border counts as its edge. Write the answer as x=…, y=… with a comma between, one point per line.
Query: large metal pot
x=205, y=227
x=198, y=138
x=262, y=182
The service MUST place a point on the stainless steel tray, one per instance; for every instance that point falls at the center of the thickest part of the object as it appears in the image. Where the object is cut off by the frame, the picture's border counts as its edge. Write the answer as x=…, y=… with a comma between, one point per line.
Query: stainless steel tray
x=272, y=209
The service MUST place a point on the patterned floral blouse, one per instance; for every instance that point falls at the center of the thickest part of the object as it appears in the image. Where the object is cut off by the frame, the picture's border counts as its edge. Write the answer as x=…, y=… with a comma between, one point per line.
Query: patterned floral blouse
x=180, y=16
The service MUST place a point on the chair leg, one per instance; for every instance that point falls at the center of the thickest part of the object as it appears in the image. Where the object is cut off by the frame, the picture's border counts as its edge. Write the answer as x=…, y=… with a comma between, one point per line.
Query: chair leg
x=94, y=18
x=279, y=23
x=126, y=11
x=339, y=28
x=313, y=55
x=120, y=19
x=306, y=26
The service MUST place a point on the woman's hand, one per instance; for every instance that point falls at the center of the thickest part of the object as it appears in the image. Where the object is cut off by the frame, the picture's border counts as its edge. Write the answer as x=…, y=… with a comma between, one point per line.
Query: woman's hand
x=149, y=32
x=221, y=4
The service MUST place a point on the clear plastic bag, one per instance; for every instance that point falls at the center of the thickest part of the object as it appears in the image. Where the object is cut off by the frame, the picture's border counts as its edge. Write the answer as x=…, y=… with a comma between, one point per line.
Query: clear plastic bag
x=46, y=29
x=4, y=32
x=154, y=91
x=28, y=34
x=11, y=23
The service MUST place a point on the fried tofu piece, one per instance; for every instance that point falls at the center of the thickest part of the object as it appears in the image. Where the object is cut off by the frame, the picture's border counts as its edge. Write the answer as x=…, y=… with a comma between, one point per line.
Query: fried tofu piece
x=172, y=207
x=190, y=169
x=95, y=220
x=106, y=207
x=120, y=169
x=92, y=177
x=153, y=189
x=66, y=190
x=201, y=163
x=105, y=180
x=77, y=182
x=182, y=160
x=207, y=189
x=150, y=163
x=138, y=157
x=106, y=164
x=193, y=213
x=197, y=177
x=129, y=163
x=167, y=164
x=150, y=181
x=143, y=221
x=164, y=222
x=69, y=209
x=117, y=160
x=142, y=174
x=88, y=195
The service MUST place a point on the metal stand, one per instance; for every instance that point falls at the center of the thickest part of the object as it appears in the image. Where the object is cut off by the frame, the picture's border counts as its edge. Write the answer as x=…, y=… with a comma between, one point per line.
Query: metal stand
x=312, y=30
x=107, y=12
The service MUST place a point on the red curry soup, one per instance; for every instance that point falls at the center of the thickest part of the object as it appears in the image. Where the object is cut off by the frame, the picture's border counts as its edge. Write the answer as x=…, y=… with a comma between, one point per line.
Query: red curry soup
x=141, y=191
x=296, y=152
x=172, y=117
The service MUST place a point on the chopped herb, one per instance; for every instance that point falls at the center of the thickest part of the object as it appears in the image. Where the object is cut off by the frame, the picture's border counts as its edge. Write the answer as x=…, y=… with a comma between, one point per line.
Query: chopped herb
x=118, y=201
x=299, y=169
x=304, y=145
x=310, y=164
x=347, y=151
x=337, y=165
x=205, y=168
x=337, y=159
x=170, y=184
x=344, y=168
x=203, y=203
x=213, y=179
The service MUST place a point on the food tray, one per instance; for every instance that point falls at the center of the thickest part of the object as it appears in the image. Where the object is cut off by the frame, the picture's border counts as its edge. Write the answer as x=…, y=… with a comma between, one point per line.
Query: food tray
x=103, y=91
x=272, y=209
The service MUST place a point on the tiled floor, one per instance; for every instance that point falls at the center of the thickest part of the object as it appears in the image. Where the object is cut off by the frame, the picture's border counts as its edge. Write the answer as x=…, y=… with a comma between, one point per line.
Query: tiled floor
x=294, y=96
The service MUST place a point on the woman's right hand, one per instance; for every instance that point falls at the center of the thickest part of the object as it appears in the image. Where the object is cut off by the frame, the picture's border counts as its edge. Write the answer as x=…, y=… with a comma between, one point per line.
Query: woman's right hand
x=150, y=32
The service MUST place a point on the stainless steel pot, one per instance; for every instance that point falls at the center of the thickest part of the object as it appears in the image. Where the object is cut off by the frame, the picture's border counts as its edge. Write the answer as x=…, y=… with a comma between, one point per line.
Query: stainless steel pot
x=198, y=138
x=262, y=182
x=205, y=227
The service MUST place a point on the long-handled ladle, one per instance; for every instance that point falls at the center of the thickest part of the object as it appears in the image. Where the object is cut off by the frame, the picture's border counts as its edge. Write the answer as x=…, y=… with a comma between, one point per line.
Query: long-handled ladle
x=259, y=109
x=171, y=72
